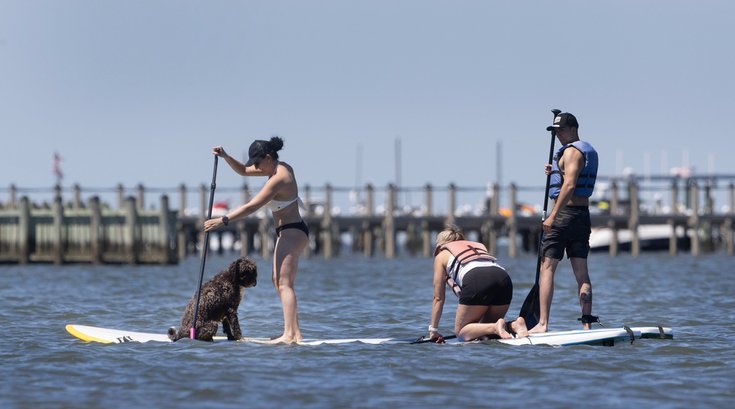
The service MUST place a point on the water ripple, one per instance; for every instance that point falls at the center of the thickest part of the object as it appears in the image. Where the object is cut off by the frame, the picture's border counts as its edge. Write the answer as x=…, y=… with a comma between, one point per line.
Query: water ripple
x=357, y=297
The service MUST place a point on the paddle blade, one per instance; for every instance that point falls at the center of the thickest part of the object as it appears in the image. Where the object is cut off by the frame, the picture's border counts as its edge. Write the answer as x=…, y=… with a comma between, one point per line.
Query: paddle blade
x=531, y=308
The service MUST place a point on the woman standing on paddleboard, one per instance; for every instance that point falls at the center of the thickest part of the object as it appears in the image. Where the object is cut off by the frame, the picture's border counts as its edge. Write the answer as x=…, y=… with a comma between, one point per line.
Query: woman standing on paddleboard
x=483, y=287
x=280, y=193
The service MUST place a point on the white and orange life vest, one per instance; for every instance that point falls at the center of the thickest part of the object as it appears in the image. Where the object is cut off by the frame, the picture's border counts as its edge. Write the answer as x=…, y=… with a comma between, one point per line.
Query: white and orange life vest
x=465, y=255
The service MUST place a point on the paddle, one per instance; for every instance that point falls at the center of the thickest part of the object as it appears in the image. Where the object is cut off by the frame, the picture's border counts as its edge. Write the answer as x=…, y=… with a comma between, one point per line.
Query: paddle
x=530, y=310
x=422, y=339
x=205, y=247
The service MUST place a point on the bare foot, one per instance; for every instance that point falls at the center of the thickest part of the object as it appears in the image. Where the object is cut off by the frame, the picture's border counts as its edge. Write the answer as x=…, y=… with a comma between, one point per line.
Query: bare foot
x=500, y=329
x=519, y=327
x=538, y=329
x=282, y=340
x=288, y=337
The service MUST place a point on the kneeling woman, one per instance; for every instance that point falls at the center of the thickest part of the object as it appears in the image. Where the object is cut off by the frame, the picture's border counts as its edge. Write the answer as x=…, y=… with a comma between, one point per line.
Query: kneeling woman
x=483, y=287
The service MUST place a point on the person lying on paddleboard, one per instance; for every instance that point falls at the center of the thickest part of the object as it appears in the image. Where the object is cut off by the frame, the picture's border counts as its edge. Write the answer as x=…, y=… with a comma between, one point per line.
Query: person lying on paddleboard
x=280, y=193
x=484, y=289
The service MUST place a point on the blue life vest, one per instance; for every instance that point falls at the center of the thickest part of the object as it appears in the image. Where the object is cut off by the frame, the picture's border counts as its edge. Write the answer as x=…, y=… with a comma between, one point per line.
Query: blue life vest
x=587, y=177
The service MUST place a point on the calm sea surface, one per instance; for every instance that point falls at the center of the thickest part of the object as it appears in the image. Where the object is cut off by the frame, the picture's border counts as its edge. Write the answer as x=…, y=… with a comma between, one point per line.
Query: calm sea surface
x=45, y=367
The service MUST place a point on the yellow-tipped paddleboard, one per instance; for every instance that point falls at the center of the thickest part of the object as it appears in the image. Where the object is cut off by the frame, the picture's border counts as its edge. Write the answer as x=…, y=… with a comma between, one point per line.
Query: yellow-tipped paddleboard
x=605, y=336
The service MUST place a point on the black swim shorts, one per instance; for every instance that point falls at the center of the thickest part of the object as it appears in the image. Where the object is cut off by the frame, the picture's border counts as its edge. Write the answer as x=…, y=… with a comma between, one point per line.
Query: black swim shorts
x=487, y=285
x=570, y=233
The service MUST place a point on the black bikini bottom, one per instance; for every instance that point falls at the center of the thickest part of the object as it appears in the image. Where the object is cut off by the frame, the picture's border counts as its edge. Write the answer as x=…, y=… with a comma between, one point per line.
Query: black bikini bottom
x=298, y=225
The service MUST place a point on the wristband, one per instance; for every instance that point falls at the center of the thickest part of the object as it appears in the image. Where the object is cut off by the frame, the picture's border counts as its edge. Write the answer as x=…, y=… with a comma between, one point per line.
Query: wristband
x=433, y=329
x=225, y=220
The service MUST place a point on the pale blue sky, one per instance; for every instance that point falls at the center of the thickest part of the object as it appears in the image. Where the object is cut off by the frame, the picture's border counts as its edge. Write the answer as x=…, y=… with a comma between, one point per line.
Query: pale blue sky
x=139, y=91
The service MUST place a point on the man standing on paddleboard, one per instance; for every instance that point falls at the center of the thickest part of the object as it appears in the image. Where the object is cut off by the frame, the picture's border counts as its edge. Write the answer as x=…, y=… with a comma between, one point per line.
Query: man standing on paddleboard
x=567, y=228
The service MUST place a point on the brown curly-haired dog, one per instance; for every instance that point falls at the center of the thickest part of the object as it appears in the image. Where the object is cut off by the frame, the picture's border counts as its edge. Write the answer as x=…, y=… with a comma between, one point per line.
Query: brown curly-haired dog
x=218, y=302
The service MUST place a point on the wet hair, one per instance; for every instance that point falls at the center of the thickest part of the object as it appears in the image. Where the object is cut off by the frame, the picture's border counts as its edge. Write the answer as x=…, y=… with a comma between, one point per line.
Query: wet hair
x=273, y=146
x=449, y=234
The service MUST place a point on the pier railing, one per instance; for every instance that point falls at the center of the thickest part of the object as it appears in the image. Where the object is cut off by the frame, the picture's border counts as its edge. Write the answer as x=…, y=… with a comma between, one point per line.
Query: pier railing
x=89, y=234
x=387, y=221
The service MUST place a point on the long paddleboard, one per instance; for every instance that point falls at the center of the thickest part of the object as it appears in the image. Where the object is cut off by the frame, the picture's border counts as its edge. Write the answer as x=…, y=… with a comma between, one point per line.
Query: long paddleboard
x=605, y=336
x=116, y=336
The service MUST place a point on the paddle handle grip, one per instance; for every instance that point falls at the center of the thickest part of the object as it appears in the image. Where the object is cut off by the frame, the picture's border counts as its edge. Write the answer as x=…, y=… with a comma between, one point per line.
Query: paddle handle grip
x=192, y=333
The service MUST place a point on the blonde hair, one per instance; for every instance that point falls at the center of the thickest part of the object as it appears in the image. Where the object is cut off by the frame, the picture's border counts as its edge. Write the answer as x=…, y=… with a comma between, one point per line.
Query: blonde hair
x=449, y=234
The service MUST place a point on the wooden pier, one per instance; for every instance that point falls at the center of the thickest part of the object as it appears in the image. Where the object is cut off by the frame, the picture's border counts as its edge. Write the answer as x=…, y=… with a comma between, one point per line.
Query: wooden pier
x=87, y=234
x=94, y=232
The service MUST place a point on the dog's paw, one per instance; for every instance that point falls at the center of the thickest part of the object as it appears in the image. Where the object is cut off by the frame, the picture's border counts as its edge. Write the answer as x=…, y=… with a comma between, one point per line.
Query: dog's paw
x=172, y=334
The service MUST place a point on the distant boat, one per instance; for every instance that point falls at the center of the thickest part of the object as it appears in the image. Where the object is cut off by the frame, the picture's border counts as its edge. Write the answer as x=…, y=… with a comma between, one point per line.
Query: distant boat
x=522, y=209
x=652, y=237
x=220, y=209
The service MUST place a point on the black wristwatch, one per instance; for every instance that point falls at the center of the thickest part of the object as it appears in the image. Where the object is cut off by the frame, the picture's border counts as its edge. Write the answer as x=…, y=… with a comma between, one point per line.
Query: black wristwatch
x=225, y=220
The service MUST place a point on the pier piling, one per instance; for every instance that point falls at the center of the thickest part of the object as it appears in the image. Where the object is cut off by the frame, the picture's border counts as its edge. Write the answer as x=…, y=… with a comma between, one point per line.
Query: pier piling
x=97, y=233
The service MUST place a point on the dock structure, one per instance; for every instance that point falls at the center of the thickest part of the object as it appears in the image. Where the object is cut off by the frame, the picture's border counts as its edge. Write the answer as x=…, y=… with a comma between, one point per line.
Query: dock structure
x=87, y=233
x=96, y=232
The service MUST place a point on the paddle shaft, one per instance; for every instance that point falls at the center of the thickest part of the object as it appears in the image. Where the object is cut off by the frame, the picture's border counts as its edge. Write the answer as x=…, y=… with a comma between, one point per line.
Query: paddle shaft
x=532, y=299
x=546, y=204
x=205, y=248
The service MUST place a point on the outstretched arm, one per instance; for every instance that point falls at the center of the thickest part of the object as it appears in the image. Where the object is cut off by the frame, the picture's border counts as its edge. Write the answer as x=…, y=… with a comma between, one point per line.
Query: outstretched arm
x=437, y=306
x=265, y=195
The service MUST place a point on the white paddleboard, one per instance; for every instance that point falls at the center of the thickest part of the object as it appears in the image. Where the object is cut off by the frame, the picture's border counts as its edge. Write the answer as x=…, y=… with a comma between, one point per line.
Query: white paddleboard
x=116, y=336
x=113, y=336
x=372, y=341
x=602, y=336
x=605, y=336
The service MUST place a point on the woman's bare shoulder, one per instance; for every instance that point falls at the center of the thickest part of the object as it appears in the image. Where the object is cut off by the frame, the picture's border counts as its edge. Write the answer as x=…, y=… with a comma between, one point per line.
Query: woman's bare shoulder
x=442, y=257
x=288, y=167
x=285, y=171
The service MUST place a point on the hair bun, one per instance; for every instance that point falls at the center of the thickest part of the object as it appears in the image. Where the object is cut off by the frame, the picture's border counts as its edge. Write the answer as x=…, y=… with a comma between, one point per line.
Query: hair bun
x=276, y=143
